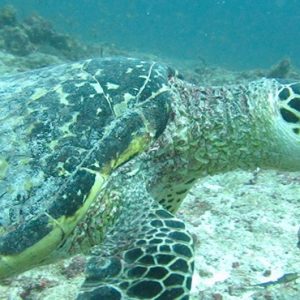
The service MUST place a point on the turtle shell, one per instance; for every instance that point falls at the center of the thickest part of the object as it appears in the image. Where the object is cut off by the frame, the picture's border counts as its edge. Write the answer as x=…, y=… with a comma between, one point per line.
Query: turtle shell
x=63, y=130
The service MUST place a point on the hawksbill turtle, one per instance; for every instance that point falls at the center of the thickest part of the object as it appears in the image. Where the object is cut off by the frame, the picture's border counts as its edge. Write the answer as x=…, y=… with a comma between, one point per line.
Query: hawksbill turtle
x=97, y=155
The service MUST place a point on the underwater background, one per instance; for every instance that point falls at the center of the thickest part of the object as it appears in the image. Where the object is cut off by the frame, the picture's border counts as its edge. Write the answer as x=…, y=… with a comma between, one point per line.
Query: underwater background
x=245, y=224
x=239, y=34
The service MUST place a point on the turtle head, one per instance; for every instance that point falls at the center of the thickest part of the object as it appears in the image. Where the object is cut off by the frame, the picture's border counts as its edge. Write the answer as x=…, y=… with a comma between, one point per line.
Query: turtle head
x=287, y=106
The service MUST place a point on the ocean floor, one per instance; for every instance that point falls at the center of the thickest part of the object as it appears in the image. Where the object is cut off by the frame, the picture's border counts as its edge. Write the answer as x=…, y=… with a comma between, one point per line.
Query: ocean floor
x=244, y=224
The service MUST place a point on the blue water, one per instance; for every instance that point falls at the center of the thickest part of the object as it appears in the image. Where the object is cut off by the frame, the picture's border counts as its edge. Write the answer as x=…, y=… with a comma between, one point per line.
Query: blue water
x=237, y=34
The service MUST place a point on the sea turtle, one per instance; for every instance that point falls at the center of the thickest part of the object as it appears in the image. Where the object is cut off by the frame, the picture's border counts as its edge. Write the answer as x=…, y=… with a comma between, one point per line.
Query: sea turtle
x=96, y=156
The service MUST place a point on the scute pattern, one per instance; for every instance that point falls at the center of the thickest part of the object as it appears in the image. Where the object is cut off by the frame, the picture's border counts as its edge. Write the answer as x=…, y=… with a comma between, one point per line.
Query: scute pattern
x=148, y=272
x=67, y=128
x=156, y=254
x=64, y=112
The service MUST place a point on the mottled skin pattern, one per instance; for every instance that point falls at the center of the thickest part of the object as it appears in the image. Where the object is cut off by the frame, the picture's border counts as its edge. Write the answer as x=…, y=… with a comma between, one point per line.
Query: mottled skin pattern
x=219, y=129
x=147, y=252
x=99, y=154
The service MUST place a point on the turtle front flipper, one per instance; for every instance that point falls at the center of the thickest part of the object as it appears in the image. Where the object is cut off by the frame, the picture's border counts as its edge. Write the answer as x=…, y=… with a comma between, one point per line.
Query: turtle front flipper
x=153, y=258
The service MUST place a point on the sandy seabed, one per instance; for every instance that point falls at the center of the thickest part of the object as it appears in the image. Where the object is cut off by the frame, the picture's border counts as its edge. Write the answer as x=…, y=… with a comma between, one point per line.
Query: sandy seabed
x=245, y=225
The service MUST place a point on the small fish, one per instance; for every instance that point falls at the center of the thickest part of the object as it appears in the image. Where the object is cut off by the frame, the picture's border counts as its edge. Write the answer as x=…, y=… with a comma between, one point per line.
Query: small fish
x=283, y=279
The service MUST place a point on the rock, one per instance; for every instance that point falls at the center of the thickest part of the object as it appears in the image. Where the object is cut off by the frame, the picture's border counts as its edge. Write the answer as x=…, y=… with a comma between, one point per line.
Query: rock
x=8, y=16
x=16, y=41
x=281, y=70
x=38, y=29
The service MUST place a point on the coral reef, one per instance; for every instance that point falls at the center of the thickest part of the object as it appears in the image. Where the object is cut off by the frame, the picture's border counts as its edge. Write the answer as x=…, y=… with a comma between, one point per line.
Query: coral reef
x=281, y=69
x=8, y=16
x=34, y=43
x=35, y=34
x=15, y=41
